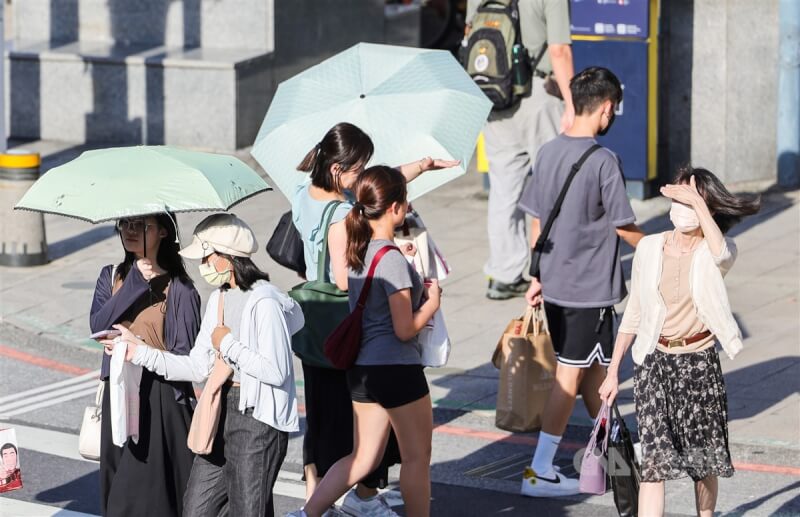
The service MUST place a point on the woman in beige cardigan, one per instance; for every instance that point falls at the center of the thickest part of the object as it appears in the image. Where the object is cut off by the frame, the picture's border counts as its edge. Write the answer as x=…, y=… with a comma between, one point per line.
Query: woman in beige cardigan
x=678, y=308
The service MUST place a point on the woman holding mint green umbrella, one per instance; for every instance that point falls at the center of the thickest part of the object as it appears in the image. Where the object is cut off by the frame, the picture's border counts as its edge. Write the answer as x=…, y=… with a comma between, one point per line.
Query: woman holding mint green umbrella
x=333, y=165
x=150, y=293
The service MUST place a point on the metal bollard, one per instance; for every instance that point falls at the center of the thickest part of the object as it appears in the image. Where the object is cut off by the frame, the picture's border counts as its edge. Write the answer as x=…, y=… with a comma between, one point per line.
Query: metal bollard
x=22, y=237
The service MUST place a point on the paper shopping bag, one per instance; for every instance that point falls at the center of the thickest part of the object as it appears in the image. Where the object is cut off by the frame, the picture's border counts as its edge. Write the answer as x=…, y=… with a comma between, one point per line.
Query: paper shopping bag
x=527, y=366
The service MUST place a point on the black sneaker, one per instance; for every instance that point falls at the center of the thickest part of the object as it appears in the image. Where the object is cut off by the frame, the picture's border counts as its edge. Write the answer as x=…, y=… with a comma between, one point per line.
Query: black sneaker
x=500, y=291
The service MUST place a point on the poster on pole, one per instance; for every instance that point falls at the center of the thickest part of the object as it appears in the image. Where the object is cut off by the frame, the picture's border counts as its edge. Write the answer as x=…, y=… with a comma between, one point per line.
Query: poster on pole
x=10, y=475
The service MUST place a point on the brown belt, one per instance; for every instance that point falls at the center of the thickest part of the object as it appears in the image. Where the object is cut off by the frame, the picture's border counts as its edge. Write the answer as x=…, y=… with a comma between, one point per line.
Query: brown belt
x=673, y=343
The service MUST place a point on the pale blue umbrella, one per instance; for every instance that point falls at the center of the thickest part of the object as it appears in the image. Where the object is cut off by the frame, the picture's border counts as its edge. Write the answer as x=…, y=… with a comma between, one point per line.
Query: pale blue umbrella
x=412, y=103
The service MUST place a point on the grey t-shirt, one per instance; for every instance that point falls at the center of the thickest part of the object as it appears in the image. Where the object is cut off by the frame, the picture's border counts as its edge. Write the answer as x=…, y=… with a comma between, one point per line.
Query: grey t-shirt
x=379, y=343
x=580, y=266
x=540, y=21
x=234, y=302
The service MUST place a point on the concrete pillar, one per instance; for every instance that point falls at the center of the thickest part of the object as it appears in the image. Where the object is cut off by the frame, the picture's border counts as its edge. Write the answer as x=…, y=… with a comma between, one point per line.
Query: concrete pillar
x=789, y=95
x=22, y=237
x=734, y=72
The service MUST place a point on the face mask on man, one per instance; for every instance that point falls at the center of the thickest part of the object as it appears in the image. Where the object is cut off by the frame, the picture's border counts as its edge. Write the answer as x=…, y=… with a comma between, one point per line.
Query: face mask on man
x=214, y=277
x=683, y=218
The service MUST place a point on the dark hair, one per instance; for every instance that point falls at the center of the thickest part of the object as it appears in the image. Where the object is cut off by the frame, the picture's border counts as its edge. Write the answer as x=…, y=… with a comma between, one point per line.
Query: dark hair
x=8, y=446
x=375, y=190
x=167, y=256
x=245, y=271
x=592, y=86
x=344, y=144
x=726, y=209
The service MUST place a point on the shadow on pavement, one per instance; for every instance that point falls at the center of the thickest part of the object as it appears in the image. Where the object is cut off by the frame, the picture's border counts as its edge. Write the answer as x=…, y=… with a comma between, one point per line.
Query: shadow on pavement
x=82, y=494
x=791, y=507
x=64, y=247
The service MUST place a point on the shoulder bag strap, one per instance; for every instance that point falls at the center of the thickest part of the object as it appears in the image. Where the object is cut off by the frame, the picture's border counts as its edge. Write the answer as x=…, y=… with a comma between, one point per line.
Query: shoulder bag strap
x=324, y=226
x=221, y=309
x=113, y=281
x=557, y=207
x=362, y=298
x=535, y=61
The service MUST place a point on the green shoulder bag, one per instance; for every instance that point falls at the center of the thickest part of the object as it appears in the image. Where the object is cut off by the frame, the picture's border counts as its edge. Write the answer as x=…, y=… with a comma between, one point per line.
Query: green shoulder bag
x=324, y=305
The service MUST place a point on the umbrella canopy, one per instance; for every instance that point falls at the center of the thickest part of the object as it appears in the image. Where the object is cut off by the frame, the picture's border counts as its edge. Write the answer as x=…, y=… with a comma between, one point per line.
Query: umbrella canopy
x=412, y=103
x=122, y=182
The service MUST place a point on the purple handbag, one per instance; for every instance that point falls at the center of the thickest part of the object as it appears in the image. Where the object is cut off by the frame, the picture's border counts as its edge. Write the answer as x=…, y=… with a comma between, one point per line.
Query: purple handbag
x=595, y=458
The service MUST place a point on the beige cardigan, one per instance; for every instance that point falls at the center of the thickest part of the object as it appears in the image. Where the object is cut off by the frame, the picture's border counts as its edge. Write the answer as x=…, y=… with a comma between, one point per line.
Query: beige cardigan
x=646, y=311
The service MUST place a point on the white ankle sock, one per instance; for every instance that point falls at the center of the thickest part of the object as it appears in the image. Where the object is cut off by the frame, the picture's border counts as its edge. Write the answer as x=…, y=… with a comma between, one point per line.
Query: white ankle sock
x=545, y=453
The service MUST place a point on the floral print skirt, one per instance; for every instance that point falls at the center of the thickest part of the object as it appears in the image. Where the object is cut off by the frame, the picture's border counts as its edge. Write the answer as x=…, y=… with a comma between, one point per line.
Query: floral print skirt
x=682, y=412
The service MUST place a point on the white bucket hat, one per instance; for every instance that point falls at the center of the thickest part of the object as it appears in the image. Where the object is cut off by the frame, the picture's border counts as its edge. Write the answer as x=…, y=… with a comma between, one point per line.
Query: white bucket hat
x=221, y=233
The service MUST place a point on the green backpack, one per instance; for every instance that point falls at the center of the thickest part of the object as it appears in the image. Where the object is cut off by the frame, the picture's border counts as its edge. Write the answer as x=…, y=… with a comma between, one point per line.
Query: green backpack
x=494, y=56
x=324, y=305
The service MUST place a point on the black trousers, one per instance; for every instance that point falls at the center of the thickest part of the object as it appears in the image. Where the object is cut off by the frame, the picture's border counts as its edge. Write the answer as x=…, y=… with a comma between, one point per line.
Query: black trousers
x=149, y=477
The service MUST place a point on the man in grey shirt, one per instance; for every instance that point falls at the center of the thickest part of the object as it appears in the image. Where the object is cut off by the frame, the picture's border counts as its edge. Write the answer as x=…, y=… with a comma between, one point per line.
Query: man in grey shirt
x=514, y=136
x=580, y=271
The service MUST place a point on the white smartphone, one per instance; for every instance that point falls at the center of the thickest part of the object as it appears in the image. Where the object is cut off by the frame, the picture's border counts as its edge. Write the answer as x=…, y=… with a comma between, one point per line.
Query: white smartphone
x=106, y=334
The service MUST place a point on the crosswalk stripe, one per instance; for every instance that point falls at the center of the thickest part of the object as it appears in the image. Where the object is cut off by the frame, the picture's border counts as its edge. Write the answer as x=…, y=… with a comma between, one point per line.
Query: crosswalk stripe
x=48, y=395
x=51, y=402
x=47, y=387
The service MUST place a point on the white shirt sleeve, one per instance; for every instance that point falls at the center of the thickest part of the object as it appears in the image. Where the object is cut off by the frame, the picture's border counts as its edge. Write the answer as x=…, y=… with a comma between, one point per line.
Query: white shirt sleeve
x=632, y=314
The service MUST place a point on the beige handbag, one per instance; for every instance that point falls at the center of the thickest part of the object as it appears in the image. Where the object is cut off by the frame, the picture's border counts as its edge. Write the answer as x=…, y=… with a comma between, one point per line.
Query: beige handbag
x=89, y=439
x=206, y=415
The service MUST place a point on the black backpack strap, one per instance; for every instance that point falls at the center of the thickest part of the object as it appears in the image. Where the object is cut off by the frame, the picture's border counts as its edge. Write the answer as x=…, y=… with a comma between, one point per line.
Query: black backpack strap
x=535, y=61
x=324, y=225
x=537, y=249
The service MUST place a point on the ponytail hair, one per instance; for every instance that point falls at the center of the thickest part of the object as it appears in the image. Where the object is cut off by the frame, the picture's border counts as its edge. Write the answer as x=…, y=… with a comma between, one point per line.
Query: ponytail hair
x=344, y=144
x=376, y=189
x=727, y=209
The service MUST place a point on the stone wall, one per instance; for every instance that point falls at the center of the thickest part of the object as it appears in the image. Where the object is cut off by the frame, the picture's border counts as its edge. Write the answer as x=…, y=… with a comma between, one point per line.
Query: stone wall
x=734, y=87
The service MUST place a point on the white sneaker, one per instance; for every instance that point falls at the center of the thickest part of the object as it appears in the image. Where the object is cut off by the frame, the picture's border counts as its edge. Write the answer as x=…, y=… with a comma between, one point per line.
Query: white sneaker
x=374, y=507
x=558, y=485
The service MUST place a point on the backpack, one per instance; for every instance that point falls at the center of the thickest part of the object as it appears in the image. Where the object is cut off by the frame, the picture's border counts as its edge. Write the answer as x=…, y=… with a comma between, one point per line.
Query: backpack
x=494, y=56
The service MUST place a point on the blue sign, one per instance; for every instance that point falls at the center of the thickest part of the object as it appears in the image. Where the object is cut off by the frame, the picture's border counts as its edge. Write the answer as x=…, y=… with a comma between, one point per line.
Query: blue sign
x=628, y=61
x=629, y=18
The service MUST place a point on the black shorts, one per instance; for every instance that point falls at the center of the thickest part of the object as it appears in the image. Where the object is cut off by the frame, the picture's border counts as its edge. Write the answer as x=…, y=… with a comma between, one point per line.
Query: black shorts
x=581, y=336
x=390, y=385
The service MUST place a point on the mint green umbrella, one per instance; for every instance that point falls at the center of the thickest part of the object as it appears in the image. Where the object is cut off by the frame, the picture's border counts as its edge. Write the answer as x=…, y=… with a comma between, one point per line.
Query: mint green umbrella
x=412, y=103
x=122, y=182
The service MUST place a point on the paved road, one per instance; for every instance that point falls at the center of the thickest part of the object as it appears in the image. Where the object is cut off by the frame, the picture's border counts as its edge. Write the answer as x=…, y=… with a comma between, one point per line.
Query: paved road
x=44, y=388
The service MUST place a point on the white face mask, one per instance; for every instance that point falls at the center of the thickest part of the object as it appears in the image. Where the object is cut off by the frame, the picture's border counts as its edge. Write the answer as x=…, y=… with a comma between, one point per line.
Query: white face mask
x=683, y=218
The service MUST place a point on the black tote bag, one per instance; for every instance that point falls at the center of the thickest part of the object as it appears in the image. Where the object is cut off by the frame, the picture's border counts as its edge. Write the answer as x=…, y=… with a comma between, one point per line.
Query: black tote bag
x=622, y=467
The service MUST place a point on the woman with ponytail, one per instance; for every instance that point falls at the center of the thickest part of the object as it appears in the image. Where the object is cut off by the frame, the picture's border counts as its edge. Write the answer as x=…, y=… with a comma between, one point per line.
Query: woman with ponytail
x=333, y=165
x=387, y=383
